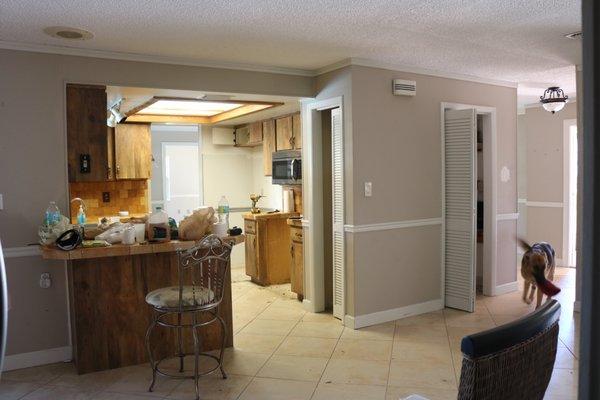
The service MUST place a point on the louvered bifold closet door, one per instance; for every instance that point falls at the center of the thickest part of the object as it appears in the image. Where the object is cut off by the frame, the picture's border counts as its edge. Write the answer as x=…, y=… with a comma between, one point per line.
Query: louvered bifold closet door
x=337, y=166
x=459, y=208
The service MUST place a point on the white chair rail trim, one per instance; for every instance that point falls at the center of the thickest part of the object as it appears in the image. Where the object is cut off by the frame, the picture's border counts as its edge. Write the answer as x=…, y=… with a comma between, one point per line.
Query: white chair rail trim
x=24, y=251
x=551, y=204
x=384, y=226
x=507, y=216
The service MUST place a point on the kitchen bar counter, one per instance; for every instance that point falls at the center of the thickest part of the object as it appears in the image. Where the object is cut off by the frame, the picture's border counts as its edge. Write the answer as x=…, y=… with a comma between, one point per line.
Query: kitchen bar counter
x=264, y=215
x=109, y=314
x=54, y=253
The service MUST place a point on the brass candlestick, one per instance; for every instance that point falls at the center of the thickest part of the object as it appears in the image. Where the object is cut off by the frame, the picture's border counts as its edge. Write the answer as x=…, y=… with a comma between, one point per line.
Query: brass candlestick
x=255, y=198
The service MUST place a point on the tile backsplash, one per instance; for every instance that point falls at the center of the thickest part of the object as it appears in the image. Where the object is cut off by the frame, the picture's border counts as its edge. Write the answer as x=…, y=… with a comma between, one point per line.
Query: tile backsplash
x=125, y=195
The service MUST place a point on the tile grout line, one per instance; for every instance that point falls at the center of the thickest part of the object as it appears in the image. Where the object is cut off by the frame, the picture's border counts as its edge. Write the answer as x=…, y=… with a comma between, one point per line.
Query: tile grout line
x=327, y=363
x=450, y=346
x=272, y=354
x=387, y=383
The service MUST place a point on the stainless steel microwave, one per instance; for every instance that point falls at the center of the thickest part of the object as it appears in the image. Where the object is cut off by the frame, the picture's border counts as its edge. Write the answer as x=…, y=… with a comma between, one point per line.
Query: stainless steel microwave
x=287, y=167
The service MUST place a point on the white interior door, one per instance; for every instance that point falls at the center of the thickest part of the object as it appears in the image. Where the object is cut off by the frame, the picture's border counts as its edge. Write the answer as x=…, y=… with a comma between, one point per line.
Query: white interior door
x=460, y=208
x=337, y=145
x=181, y=178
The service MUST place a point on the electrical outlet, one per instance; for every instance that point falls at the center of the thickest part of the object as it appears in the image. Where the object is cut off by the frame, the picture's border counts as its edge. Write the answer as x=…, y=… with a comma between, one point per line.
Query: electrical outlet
x=106, y=197
x=45, y=280
x=368, y=189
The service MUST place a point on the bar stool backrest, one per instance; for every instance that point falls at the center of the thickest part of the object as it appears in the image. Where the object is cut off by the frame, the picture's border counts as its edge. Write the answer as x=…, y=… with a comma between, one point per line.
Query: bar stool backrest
x=204, y=269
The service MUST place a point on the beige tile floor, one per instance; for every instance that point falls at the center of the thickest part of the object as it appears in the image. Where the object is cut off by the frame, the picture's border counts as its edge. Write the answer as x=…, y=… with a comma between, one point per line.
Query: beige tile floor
x=282, y=352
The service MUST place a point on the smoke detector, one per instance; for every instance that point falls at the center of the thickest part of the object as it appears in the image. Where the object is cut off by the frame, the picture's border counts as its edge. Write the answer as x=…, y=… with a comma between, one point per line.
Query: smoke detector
x=401, y=87
x=65, y=32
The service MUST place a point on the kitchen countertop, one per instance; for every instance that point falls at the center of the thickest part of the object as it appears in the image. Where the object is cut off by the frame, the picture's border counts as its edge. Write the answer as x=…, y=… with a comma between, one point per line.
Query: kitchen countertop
x=265, y=215
x=80, y=253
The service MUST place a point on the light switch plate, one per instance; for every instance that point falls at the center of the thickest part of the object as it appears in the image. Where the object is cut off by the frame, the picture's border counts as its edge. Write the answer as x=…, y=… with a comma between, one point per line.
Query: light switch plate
x=1, y=201
x=368, y=189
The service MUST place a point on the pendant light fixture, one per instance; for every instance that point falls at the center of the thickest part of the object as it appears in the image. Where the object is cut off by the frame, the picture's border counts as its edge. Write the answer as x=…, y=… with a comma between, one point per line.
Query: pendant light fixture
x=554, y=99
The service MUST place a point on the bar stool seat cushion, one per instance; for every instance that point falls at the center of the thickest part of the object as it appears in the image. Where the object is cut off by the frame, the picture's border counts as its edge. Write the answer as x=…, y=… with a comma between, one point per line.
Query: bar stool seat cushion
x=191, y=296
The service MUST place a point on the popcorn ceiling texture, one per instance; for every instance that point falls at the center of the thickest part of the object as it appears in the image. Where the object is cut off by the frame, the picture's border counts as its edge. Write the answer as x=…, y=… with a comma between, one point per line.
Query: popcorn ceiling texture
x=508, y=40
x=126, y=195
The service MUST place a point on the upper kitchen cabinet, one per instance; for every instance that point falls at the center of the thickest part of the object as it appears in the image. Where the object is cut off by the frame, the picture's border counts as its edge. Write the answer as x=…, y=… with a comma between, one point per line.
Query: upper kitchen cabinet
x=249, y=135
x=88, y=139
x=269, y=146
x=288, y=132
x=133, y=151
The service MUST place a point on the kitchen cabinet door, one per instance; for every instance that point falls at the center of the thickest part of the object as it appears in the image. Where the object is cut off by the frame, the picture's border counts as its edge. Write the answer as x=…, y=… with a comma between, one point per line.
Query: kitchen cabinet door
x=133, y=151
x=251, y=256
x=297, y=268
x=87, y=139
x=284, y=133
x=256, y=133
x=269, y=145
x=297, y=131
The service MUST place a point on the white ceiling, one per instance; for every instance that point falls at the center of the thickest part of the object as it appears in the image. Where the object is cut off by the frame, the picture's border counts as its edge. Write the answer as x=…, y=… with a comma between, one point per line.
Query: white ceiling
x=513, y=40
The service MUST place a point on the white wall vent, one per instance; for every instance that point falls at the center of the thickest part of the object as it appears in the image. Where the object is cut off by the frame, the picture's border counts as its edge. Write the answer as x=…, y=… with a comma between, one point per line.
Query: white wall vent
x=401, y=87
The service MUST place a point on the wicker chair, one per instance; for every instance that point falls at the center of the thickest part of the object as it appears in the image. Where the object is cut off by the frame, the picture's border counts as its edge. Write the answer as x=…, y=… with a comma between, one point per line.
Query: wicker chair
x=510, y=362
x=513, y=361
x=202, y=271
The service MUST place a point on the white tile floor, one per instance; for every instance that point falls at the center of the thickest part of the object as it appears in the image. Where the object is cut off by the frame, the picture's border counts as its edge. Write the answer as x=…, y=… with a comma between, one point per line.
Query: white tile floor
x=282, y=352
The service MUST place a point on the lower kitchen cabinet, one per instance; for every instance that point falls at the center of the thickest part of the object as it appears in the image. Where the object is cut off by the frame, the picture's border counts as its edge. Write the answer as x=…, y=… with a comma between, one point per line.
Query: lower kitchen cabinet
x=297, y=261
x=267, y=248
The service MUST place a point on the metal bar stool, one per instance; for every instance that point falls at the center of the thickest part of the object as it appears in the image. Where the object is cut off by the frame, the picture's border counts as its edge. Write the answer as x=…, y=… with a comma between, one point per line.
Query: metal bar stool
x=205, y=267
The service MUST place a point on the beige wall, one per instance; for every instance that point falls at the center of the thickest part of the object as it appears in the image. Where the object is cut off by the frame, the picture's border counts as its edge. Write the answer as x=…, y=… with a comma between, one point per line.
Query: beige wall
x=33, y=161
x=396, y=145
x=544, y=163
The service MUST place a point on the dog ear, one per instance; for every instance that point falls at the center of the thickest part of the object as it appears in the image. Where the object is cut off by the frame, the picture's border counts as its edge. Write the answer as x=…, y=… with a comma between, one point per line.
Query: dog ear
x=523, y=244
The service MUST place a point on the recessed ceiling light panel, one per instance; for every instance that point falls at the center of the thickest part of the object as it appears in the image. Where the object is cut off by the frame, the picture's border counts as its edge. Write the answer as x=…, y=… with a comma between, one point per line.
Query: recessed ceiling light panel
x=66, y=32
x=182, y=107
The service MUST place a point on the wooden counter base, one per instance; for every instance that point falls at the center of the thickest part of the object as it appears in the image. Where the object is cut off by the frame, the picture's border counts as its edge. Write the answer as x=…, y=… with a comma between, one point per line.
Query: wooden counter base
x=109, y=314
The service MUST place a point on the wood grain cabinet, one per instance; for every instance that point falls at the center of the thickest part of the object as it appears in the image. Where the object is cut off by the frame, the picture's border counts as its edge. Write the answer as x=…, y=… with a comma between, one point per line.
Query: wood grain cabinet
x=267, y=249
x=269, y=146
x=289, y=132
x=123, y=152
x=133, y=151
x=88, y=139
x=297, y=261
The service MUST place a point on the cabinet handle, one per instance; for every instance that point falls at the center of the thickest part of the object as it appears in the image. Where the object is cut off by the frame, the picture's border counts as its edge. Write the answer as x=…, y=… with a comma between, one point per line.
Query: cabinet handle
x=292, y=250
x=118, y=169
x=108, y=172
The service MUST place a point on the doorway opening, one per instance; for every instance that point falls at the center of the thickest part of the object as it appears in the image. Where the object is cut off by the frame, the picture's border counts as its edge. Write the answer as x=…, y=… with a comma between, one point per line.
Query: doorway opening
x=324, y=212
x=570, y=173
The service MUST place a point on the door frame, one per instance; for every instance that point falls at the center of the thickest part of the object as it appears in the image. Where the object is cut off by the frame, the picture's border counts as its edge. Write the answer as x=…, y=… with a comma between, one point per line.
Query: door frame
x=567, y=246
x=312, y=187
x=490, y=190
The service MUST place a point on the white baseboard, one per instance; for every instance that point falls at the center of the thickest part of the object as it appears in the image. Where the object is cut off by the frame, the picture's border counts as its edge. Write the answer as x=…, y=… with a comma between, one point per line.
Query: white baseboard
x=35, y=358
x=349, y=321
x=308, y=305
x=506, y=288
x=577, y=306
x=361, y=321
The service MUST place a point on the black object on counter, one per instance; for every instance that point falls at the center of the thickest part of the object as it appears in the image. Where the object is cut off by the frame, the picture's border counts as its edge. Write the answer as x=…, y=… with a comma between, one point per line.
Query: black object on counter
x=69, y=240
x=174, y=229
x=235, y=231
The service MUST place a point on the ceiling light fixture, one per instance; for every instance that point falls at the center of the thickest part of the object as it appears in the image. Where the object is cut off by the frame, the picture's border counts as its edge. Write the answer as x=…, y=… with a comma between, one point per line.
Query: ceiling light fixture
x=194, y=111
x=115, y=116
x=554, y=99
x=65, y=32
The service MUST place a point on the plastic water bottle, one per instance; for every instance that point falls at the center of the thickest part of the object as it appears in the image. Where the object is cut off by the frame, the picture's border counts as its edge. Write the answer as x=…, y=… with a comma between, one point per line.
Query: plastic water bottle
x=223, y=211
x=52, y=214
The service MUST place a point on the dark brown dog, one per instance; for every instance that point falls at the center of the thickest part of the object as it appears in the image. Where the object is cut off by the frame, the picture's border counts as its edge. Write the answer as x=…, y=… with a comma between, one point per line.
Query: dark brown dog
x=537, y=265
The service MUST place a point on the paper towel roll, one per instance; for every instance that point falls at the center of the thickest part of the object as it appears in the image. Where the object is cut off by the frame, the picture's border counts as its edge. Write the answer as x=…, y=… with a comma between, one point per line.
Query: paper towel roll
x=288, y=200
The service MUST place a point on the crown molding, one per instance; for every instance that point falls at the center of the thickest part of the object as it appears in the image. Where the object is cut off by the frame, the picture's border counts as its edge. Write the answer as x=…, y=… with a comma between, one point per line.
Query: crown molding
x=113, y=55
x=414, y=70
